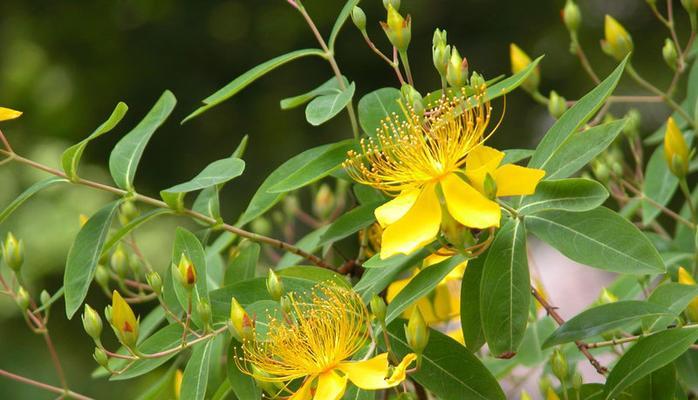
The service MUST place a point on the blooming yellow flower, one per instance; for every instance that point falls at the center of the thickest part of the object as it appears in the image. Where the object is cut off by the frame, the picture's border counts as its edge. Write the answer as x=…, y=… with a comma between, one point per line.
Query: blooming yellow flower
x=8, y=114
x=421, y=160
x=123, y=320
x=316, y=343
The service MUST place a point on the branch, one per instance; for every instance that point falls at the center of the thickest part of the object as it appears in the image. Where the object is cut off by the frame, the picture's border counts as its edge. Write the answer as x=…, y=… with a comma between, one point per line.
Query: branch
x=44, y=386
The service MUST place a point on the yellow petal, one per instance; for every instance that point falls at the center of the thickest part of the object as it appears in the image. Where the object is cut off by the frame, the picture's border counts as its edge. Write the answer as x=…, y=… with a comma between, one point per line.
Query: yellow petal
x=8, y=114
x=417, y=227
x=396, y=208
x=122, y=318
x=395, y=288
x=513, y=180
x=479, y=162
x=372, y=374
x=442, y=302
x=467, y=205
x=330, y=386
x=685, y=277
x=456, y=334
x=441, y=254
x=305, y=392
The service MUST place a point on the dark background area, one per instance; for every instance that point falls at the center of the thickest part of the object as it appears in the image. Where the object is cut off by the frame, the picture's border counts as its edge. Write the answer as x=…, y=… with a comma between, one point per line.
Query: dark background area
x=67, y=63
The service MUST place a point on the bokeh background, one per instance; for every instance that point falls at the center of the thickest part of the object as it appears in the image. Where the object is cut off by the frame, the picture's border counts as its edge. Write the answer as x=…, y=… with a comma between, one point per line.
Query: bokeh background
x=67, y=63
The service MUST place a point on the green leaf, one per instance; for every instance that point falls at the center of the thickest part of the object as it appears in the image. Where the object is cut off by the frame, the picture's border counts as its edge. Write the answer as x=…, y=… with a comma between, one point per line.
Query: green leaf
x=29, y=192
x=195, y=377
x=376, y=106
x=314, y=274
x=448, y=369
x=675, y=297
x=531, y=352
x=329, y=87
x=379, y=275
x=243, y=385
x=420, y=286
x=599, y=238
x=84, y=255
x=648, y=355
x=133, y=224
x=208, y=203
x=162, y=389
x=659, y=385
x=470, y=319
x=127, y=153
x=350, y=222
x=188, y=244
x=71, y=157
x=248, y=77
x=166, y=338
x=512, y=156
x=574, y=118
x=317, y=168
x=573, y=194
x=243, y=265
x=604, y=318
x=325, y=107
x=341, y=20
x=354, y=393
x=505, y=290
x=507, y=85
x=579, y=148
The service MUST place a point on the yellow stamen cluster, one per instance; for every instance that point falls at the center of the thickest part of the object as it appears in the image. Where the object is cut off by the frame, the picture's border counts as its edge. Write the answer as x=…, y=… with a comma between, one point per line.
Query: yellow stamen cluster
x=409, y=153
x=325, y=327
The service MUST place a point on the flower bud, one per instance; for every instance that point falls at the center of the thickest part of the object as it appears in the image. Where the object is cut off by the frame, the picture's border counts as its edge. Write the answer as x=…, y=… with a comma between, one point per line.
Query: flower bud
x=7, y=114
x=102, y=276
x=240, y=323
x=127, y=212
x=398, y=29
x=275, y=286
x=675, y=149
x=394, y=3
x=559, y=365
x=577, y=381
x=324, y=201
x=557, y=105
x=123, y=320
x=490, y=187
x=101, y=357
x=44, y=297
x=551, y=395
x=378, y=308
x=358, y=16
x=413, y=98
x=690, y=5
x=261, y=226
x=519, y=61
x=685, y=278
x=457, y=69
x=632, y=126
x=177, y=384
x=617, y=42
x=13, y=252
x=417, y=332
x=22, y=299
x=571, y=16
x=544, y=384
x=477, y=81
x=607, y=297
x=119, y=261
x=92, y=323
x=204, y=310
x=440, y=52
x=186, y=272
x=670, y=54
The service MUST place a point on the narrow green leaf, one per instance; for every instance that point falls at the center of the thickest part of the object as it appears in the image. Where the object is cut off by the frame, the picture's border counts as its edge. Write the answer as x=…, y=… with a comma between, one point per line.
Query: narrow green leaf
x=675, y=297
x=574, y=118
x=162, y=389
x=217, y=172
x=313, y=274
x=339, y=23
x=648, y=355
x=188, y=244
x=243, y=265
x=242, y=384
x=573, y=194
x=507, y=85
x=505, y=290
x=329, y=87
x=325, y=107
x=470, y=319
x=71, y=157
x=512, y=156
x=195, y=377
x=84, y=255
x=350, y=223
x=208, y=203
x=599, y=238
x=127, y=153
x=604, y=318
x=131, y=226
x=376, y=106
x=659, y=385
x=250, y=76
x=531, y=352
x=383, y=272
x=317, y=168
x=448, y=369
x=29, y=192
x=166, y=338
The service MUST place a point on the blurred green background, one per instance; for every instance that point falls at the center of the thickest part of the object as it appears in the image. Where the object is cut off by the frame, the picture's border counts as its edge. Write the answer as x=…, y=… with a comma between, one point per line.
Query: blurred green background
x=67, y=63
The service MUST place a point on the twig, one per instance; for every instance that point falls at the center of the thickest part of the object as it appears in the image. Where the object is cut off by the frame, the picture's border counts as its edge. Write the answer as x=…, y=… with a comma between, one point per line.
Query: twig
x=665, y=210
x=44, y=386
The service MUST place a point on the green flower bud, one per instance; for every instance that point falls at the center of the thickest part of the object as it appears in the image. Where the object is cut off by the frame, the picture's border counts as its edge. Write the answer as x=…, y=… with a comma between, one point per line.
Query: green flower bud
x=417, y=332
x=13, y=252
x=617, y=41
x=394, y=3
x=571, y=16
x=185, y=272
x=634, y=120
x=101, y=357
x=358, y=16
x=324, y=201
x=155, y=282
x=544, y=384
x=240, y=325
x=44, y=297
x=378, y=308
x=398, y=29
x=490, y=187
x=607, y=297
x=128, y=212
x=577, y=381
x=690, y=5
x=261, y=226
x=559, y=365
x=457, y=70
x=102, y=276
x=439, y=38
x=413, y=98
x=290, y=205
x=119, y=261
x=204, y=310
x=22, y=299
x=92, y=323
x=477, y=81
x=275, y=286
x=557, y=105
x=670, y=54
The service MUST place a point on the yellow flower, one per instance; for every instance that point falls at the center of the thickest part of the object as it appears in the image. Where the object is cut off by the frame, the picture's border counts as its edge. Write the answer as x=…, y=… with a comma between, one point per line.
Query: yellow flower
x=7, y=114
x=123, y=320
x=316, y=343
x=420, y=159
x=685, y=278
x=675, y=149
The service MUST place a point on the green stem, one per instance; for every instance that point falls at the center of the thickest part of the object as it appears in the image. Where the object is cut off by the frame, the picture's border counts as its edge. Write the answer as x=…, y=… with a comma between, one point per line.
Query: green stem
x=406, y=63
x=538, y=97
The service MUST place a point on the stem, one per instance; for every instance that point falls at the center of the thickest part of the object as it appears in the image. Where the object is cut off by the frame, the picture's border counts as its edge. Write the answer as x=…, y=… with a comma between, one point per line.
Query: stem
x=394, y=65
x=44, y=386
x=406, y=63
x=6, y=143
x=665, y=210
x=56, y=361
x=188, y=212
x=188, y=319
x=583, y=59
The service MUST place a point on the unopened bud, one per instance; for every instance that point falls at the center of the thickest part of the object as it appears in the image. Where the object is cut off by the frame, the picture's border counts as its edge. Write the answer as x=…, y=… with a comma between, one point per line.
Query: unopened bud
x=13, y=252
x=577, y=381
x=119, y=261
x=617, y=41
x=690, y=5
x=477, y=81
x=607, y=297
x=632, y=126
x=275, y=286
x=675, y=149
x=551, y=395
x=670, y=54
x=440, y=52
x=101, y=357
x=128, y=212
x=397, y=29
x=378, y=308
x=186, y=272
x=45, y=298
x=413, y=98
x=557, y=105
x=519, y=61
x=123, y=320
x=457, y=70
x=204, y=310
x=324, y=201
x=559, y=365
x=154, y=281
x=490, y=187
x=92, y=323
x=22, y=299
x=571, y=16
x=685, y=278
x=240, y=323
x=544, y=384
x=177, y=384
x=417, y=332
x=102, y=276
x=358, y=16
x=261, y=226
x=7, y=114
x=394, y=3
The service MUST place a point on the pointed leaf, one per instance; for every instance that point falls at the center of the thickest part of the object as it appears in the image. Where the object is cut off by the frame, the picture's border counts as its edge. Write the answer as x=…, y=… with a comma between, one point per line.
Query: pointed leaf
x=325, y=107
x=574, y=194
x=188, y=244
x=329, y=87
x=374, y=107
x=341, y=19
x=29, y=192
x=195, y=377
x=470, y=319
x=675, y=297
